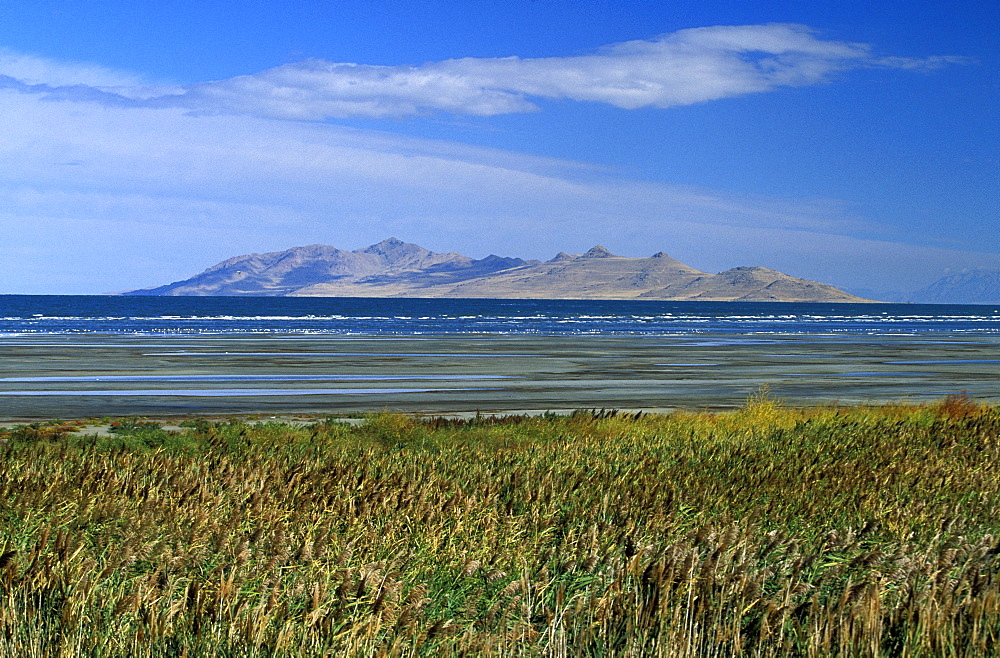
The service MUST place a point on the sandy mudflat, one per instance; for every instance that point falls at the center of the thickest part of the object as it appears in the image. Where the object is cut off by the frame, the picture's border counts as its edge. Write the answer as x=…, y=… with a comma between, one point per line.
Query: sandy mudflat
x=96, y=376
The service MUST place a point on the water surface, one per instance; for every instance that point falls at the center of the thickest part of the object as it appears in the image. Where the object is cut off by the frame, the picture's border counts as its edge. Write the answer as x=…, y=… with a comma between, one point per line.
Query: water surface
x=106, y=356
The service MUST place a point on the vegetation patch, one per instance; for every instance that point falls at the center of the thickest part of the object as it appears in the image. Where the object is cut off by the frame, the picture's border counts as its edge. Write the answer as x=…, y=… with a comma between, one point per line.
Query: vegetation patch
x=765, y=531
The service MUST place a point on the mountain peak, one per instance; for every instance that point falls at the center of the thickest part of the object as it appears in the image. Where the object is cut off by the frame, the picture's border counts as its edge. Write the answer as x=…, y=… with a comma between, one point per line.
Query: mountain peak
x=598, y=252
x=389, y=245
x=562, y=257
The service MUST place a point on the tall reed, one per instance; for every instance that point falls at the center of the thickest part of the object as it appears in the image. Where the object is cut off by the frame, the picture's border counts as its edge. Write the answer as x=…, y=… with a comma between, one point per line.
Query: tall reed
x=768, y=531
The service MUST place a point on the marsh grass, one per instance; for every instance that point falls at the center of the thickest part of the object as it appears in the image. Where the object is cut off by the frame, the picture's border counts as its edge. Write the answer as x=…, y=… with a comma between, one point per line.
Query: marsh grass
x=765, y=531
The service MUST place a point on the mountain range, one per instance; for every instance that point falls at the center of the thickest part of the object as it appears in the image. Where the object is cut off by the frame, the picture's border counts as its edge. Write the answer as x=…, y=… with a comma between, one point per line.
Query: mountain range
x=393, y=268
x=969, y=287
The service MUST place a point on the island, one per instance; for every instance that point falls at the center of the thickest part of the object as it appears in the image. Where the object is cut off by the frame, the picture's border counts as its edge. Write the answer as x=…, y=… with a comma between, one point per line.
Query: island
x=393, y=268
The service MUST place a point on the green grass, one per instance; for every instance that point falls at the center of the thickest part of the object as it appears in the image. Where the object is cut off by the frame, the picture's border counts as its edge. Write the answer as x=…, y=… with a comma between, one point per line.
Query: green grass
x=765, y=531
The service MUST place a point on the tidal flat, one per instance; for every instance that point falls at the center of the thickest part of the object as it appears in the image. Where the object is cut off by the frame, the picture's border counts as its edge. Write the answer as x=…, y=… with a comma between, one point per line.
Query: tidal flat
x=93, y=375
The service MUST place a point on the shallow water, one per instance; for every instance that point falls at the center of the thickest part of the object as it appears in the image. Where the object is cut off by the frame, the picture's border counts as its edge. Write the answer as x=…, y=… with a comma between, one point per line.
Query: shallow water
x=338, y=354
x=228, y=392
x=92, y=362
x=243, y=378
x=40, y=380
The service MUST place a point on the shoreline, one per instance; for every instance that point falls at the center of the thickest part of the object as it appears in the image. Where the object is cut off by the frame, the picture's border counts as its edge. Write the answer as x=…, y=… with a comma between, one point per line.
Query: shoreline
x=101, y=426
x=88, y=376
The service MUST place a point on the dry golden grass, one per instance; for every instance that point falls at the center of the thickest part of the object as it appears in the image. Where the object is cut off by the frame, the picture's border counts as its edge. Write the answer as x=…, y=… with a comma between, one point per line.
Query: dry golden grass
x=767, y=531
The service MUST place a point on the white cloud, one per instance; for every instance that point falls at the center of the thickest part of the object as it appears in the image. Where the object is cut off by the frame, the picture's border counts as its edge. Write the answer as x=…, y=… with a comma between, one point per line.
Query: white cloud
x=96, y=198
x=921, y=64
x=124, y=184
x=681, y=68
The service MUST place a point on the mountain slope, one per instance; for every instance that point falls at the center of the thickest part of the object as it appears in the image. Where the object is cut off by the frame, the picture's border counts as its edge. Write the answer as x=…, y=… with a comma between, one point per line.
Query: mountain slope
x=971, y=287
x=283, y=273
x=393, y=268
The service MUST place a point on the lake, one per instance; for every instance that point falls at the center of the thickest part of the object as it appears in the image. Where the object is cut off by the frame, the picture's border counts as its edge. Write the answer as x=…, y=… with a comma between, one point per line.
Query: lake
x=92, y=356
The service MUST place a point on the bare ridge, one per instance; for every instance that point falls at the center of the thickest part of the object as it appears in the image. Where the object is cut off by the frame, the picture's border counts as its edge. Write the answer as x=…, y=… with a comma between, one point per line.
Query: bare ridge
x=393, y=268
x=598, y=252
x=562, y=257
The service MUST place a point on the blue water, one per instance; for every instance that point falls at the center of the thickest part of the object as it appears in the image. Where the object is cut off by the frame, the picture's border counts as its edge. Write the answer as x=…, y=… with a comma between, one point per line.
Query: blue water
x=206, y=316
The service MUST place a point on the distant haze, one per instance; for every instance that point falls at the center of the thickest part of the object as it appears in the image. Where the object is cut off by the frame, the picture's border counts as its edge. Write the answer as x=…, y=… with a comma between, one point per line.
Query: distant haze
x=966, y=287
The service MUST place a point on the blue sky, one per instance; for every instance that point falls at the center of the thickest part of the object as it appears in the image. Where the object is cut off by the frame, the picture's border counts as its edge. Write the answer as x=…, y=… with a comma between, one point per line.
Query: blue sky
x=849, y=142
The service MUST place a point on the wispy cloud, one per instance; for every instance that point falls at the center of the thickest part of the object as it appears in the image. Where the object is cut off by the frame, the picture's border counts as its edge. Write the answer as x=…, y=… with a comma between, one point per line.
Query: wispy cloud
x=111, y=181
x=680, y=68
x=156, y=195
x=35, y=70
